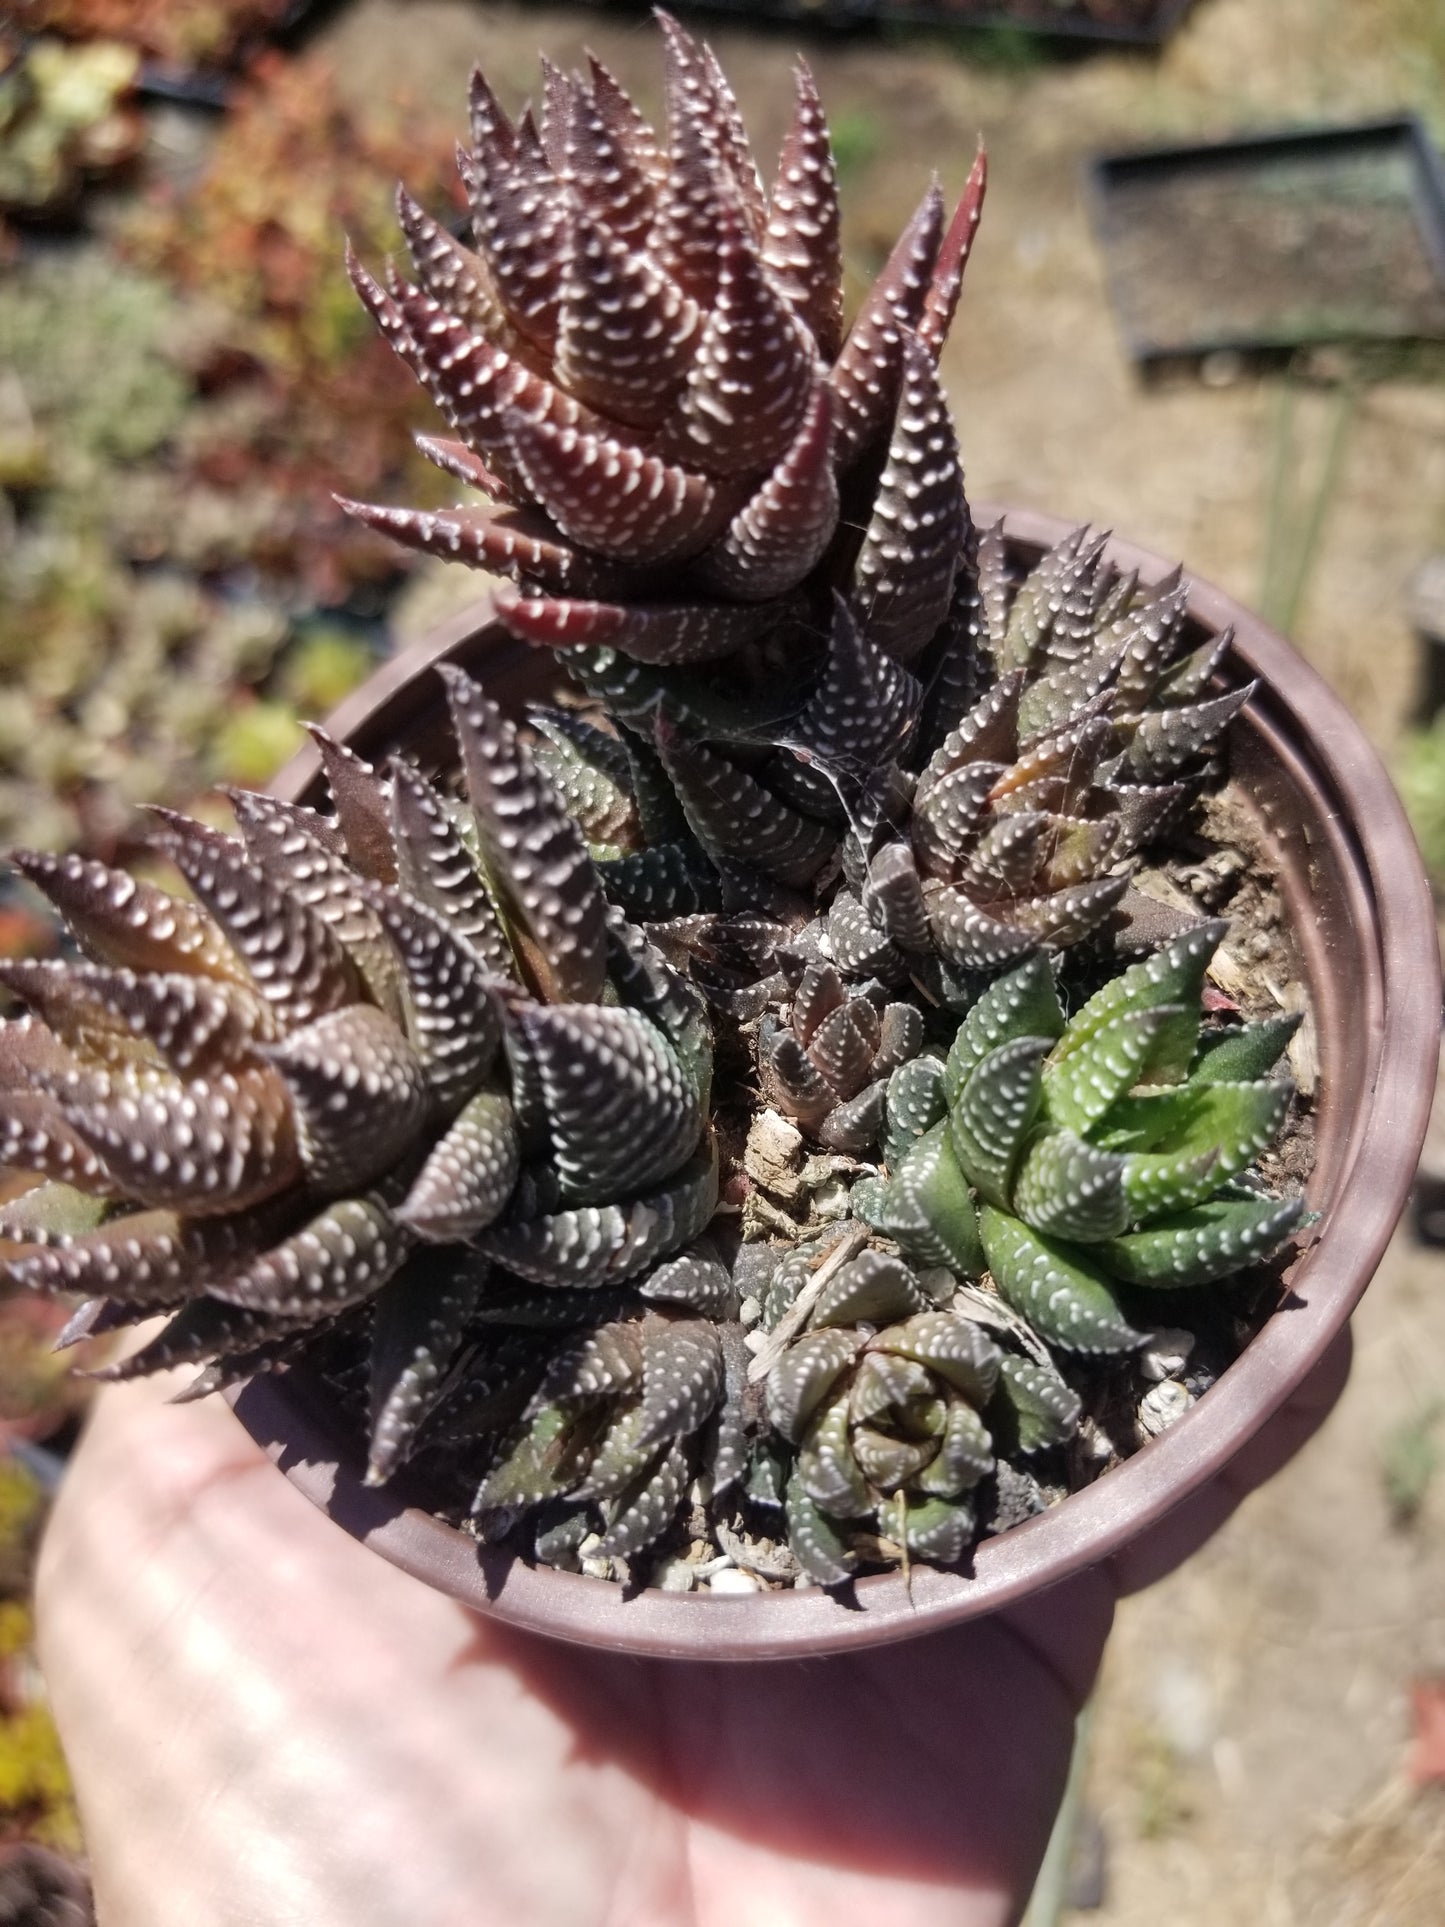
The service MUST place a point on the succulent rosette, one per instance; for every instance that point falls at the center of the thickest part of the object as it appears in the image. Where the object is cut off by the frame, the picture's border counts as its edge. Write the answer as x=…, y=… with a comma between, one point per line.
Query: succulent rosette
x=1072, y=1157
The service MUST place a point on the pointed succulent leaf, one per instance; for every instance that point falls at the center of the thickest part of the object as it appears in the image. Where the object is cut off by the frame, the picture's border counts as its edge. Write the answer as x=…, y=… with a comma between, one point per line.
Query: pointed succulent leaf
x=820, y=1548
x=645, y=981
x=621, y=1112
x=994, y=1112
x=119, y=920
x=436, y=867
x=801, y=247
x=361, y=799
x=535, y=859
x=661, y=632
x=204, y=1146
x=938, y=1530
x=866, y=375
x=872, y=1288
x=593, y=1245
x=1023, y=1004
x=1080, y=1087
x=608, y=495
x=731, y=139
x=964, y=1456
x=609, y=157
x=420, y=1318
x=955, y=1349
x=853, y=1126
x=1174, y=978
x=858, y=945
x=903, y=579
x=1066, y=1187
x=1207, y=1241
x=826, y=1468
x=149, y=1259
x=927, y=1207
x=893, y=897
x=1244, y=1055
x=645, y=1511
x=947, y=815
x=805, y=1374
x=360, y=1094
x=863, y=707
x=842, y=1046
x=304, y=856
x=468, y=1175
x=916, y=1103
x=1067, y=1298
x=343, y=1256
x=626, y=333
x=970, y=937
x=519, y=221
x=521, y=544
x=696, y=1283
x=203, y=1330
x=452, y=1017
x=295, y=959
x=735, y=819
x=451, y=274
x=1222, y=1129
x=541, y=1460
x=682, y=1379
x=621, y=1459
x=657, y=885
x=696, y=188
x=1005, y=860
x=588, y=771
x=1063, y=917
x=947, y=278
x=193, y=1023
x=1081, y=848
x=752, y=378
x=1169, y=739
x=1039, y=1407
x=783, y=530
x=600, y=1365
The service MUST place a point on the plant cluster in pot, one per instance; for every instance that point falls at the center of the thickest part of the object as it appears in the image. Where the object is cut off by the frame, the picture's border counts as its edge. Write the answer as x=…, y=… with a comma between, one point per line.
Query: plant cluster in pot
x=765, y=1053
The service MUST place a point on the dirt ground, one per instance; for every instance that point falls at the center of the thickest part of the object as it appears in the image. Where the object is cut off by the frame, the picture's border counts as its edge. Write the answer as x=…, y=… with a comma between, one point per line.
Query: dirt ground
x=1248, y=1747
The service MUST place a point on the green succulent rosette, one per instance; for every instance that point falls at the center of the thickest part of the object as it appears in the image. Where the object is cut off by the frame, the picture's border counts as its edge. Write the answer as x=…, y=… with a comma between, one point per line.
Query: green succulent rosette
x=1073, y=1156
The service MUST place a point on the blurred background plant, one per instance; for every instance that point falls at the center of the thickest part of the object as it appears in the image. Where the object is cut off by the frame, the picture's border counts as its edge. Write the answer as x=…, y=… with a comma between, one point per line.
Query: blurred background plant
x=65, y=119
x=179, y=33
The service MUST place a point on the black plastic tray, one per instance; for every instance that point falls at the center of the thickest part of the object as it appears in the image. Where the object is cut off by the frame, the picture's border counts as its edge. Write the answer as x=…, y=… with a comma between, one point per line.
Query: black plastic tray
x=1035, y=17
x=1218, y=247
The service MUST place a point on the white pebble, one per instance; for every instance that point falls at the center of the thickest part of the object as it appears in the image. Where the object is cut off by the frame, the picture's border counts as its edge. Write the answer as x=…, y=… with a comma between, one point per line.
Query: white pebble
x=733, y=1581
x=675, y=1576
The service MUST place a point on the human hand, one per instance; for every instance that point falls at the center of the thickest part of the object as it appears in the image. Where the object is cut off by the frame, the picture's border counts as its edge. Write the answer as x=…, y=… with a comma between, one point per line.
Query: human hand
x=271, y=1727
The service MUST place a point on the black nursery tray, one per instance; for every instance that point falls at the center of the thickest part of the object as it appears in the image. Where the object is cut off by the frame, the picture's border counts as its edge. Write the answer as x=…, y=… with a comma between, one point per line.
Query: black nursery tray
x=1138, y=23
x=1275, y=242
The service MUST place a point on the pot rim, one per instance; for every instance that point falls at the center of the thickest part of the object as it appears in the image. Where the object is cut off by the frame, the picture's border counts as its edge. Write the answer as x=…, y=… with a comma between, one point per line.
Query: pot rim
x=1302, y=726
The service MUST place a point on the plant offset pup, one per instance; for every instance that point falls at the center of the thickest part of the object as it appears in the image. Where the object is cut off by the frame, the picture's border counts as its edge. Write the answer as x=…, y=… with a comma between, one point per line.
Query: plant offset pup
x=422, y=1094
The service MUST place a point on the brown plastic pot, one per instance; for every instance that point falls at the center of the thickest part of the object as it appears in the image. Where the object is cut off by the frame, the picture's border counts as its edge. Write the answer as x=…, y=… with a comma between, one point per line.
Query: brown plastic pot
x=1365, y=931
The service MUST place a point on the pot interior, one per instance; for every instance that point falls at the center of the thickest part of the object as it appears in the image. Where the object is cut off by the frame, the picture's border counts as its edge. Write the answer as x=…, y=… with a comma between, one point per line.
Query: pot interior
x=1332, y=831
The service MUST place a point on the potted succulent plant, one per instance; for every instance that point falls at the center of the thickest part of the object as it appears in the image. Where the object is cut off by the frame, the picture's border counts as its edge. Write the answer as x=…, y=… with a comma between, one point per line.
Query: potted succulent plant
x=786, y=1108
